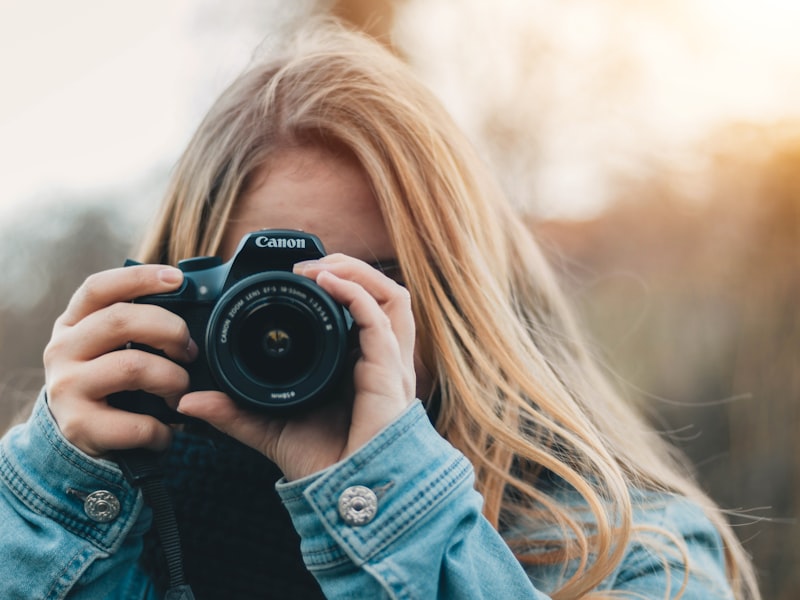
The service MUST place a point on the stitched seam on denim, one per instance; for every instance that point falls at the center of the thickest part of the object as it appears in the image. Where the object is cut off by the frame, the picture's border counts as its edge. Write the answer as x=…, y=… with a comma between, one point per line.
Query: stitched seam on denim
x=291, y=500
x=354, y=463
x=409, y=513
x=31, y=498
x=333, y=483
x=392, y=583
x=35, y=501
x=327, y=558
x=290, y=497
x=360, y=458
x=332, y=487
x=411, y=510
x=77, y=564
x=350, y=469
x=357, y=460
x=96, y=471
x=439, y=485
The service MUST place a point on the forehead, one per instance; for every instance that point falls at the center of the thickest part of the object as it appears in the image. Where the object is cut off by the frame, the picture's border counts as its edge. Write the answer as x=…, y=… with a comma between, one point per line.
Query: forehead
x=316, y=191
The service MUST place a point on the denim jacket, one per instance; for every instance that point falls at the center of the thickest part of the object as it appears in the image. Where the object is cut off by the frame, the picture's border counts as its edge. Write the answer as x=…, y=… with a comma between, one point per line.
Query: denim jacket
x=400, y=518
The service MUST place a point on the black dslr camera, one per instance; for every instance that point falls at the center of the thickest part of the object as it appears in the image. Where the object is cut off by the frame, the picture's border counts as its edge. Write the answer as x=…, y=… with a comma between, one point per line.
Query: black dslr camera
x=270, y=339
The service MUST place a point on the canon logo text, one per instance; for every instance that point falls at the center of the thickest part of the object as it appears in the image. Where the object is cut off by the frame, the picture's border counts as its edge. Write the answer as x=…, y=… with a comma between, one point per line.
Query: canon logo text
x=264, y=241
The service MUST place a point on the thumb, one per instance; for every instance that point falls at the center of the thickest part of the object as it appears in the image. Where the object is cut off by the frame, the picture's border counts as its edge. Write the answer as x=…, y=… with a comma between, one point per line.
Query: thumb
x=218, y=410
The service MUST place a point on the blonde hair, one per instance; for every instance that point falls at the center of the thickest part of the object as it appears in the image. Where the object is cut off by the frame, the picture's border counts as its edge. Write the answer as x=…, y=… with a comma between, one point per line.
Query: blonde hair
x=516, y=390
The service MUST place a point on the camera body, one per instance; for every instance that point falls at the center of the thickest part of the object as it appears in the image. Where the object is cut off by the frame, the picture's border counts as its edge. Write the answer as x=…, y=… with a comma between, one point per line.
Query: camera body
x=272, y=340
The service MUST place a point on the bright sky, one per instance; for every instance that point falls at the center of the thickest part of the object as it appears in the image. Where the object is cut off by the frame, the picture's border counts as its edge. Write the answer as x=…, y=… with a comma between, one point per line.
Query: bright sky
x=612, y=84
x=96, y=95
x=92, y=92
x=739, y=59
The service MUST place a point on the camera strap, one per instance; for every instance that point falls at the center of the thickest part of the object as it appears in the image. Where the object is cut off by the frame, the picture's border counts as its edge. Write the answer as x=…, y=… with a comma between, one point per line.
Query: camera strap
x=142, y=468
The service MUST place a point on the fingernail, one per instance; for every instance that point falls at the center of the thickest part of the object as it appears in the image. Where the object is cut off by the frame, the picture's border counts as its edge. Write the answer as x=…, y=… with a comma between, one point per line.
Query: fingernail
x=170, y=275
x=300, y=267
x=323, y=275
x=192, y=350
x=180, y=406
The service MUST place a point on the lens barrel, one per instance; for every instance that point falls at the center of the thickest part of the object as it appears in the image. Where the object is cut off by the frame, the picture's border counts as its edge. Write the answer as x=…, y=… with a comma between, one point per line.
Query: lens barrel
x=276, y=341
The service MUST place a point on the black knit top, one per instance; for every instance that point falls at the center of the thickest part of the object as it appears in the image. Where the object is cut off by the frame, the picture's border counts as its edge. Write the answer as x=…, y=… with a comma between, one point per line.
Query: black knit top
x=237, y=538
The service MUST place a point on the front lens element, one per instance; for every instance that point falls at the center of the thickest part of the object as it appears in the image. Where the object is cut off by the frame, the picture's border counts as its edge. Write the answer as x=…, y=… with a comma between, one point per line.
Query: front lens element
x=278, y=344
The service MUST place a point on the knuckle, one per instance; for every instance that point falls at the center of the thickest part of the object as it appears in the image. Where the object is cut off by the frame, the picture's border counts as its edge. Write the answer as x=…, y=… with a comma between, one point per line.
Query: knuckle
x=183, y=381
x=143, y=432
x=179, y=330
x=117, y=318
x=91, y=287
x=52, y=351
x=402, y=294
x=130, y=364
x=72, y=428
x=175, y=381
x=383, y=321
x=59, y=386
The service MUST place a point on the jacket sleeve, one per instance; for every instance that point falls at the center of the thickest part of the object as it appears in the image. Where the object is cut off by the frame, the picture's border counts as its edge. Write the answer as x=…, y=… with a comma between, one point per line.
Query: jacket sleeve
x=71, y=525
x=400, y=518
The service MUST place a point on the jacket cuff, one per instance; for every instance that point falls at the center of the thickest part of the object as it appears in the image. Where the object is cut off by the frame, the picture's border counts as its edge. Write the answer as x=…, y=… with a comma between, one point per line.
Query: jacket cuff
x=86, y=496
x=408, y=471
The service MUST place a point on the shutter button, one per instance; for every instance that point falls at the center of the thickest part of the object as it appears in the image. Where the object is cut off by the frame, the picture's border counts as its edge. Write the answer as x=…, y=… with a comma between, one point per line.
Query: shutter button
x=358, y=505
x=101, y=506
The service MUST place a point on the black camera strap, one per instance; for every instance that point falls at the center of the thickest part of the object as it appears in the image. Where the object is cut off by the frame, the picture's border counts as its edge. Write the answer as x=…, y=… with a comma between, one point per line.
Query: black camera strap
x=142, y=468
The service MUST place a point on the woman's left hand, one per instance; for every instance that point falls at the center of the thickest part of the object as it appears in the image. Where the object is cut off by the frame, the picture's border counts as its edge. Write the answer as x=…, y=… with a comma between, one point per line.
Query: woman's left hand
x=383, y=378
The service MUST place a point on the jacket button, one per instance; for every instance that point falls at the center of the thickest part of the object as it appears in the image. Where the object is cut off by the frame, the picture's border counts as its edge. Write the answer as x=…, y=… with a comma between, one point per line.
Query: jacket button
x=101, y=506
x=358, y=505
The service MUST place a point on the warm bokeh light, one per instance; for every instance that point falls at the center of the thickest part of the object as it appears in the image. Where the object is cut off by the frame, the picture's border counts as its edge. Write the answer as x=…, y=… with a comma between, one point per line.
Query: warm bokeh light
x=582, y=93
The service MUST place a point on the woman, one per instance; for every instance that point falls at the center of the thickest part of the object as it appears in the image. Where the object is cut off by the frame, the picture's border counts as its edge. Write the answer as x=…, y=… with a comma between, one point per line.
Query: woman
x=538, y=480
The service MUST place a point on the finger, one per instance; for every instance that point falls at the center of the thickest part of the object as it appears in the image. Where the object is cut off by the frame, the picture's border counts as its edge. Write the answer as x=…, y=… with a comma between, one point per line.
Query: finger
x=379, y=344
x=393, y=299
x=124, y=370
x=119, y=285
x=114, y=326
x=109, y=429
x=218, y=410
x=381, y=287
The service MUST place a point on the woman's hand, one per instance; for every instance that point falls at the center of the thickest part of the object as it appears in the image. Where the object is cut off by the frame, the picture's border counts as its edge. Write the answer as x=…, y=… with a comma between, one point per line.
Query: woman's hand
x=86, y=359
x=383, y=378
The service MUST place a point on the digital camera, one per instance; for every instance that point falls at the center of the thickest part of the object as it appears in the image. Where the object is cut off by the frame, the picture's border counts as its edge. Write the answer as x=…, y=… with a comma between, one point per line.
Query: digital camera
x=272, y=340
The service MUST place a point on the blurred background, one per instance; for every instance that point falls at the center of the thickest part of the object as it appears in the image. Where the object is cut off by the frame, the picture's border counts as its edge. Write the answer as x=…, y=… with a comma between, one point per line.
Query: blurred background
x=653, y=147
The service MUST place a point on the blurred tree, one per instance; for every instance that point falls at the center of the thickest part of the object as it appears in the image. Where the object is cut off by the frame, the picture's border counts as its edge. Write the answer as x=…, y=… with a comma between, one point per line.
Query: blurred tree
x=46, y=253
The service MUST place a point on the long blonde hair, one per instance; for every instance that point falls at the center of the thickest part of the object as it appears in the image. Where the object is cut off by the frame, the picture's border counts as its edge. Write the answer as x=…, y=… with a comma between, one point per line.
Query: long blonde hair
x=516, y=390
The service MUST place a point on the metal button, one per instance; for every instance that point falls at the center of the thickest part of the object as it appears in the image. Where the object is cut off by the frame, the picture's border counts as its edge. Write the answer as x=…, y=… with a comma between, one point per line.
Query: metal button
x=101, y=506
x=358, y=505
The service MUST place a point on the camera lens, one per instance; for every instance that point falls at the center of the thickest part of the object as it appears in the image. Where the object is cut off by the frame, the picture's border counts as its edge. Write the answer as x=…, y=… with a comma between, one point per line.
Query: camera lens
x=276, y=341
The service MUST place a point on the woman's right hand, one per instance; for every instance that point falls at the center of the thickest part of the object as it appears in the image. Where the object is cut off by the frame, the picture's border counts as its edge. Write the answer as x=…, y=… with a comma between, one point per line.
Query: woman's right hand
x=87, y=359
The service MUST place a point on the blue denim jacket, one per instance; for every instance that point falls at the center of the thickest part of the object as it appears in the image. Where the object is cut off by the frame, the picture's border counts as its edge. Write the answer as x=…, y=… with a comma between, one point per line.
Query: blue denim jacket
x=426, y=538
